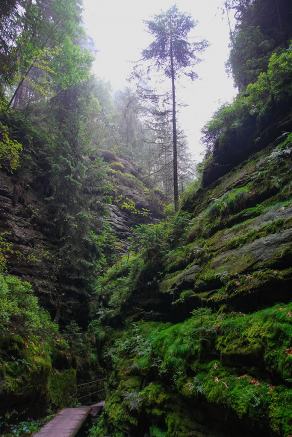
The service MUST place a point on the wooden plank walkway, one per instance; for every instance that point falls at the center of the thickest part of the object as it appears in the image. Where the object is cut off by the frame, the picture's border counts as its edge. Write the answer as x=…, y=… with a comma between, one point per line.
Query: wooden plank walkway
x=66, y=423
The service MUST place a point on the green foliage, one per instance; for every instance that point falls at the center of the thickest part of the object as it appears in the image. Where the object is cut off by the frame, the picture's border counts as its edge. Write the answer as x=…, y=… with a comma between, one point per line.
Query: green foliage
x=253, y=47
x=261, y=27
x=229, y=116
x=62, y=388
x=114, y=288
x=9, y=149
x=20, y=311
x=169, y=210
x=234, y=131
x=279, y=74
x=42, y=52
x=210, y=355
x=190, y=190
x=80, y=348
x=6, y=249
x=118, y=166
x=272, y=85
x=228, y=203
x=170, y=30
x=129, y=205
x=26, y=428
x=150, y=237
x=27, y=341
x=104, y=242
x=156, y=432
x=60, y=163
x=269, y=228
x=74, y=63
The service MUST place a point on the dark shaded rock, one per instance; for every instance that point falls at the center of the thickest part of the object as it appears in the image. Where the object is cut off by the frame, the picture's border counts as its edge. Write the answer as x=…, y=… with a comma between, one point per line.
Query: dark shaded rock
x=243, y=141
x=134, y=200
x=264, y=252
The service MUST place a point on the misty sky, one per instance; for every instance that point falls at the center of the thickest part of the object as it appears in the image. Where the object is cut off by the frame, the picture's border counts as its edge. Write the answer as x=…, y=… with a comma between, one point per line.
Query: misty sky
x=118, y=31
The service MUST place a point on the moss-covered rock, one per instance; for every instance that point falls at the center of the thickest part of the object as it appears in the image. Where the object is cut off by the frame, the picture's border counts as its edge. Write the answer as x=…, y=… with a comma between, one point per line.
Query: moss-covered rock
x=239, y=362
x=200, y=339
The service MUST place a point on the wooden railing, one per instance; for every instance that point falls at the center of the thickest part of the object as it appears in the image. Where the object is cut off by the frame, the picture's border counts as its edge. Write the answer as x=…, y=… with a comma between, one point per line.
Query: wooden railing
x=91, y=391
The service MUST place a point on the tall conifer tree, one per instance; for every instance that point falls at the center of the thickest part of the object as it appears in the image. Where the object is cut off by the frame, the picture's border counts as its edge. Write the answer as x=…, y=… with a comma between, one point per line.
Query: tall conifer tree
x=174, y=54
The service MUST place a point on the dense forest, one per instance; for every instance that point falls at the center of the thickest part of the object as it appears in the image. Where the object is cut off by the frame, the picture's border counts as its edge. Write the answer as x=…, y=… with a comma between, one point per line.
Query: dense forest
x=130, y=274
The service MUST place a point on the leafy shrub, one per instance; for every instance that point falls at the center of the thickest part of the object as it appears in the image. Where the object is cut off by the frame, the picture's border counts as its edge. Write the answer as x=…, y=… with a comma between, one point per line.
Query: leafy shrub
x=28, y=338
x=20, y=312
x=130, y=206
x=234, y=131
x=62, y=387
x=227, y=117
x=148, y=237
x=117, y=165
x=272, y=85
x=6, y=249
x=9, y=149
x=26, y=428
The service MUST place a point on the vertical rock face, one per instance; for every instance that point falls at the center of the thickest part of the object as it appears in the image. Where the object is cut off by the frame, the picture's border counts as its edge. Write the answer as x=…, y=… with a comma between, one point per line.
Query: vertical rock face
x=239, y=237
x=210, y=347
x=133, y=199
x=34, y=256
x=22, y=223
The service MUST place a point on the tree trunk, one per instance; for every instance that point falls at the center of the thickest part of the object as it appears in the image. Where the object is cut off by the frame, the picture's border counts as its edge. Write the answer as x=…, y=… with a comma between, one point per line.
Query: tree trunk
x=229, y=24
x=174, y=132
x=19, y=86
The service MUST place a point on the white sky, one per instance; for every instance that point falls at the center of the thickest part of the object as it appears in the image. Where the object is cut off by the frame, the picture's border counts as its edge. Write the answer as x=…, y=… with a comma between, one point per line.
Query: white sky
x=118, y=31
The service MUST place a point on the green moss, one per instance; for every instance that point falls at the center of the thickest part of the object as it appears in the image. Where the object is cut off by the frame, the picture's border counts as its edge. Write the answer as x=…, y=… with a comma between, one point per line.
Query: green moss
x=62, y=388
x=27, y=341
x=114, y=288
x=280, y=411
x=171, y=282
x=263, y=231
x=180, y=424
x=214, y=355
x=182, y=256
x=229, y=202
x=153, y=394
x=117, y=165
x=240, y=363
x=156, y=432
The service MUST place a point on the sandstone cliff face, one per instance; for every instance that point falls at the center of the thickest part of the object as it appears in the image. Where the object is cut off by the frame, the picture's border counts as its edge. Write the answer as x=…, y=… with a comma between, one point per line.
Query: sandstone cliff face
x=25, y=222
x=238, y=241
x=232, y=250
x=133, y=199
x=210, y=347
x=22, y=223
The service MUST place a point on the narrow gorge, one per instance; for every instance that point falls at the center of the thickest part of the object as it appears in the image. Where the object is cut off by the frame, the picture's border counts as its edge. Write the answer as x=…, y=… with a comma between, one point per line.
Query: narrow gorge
x=133, y=280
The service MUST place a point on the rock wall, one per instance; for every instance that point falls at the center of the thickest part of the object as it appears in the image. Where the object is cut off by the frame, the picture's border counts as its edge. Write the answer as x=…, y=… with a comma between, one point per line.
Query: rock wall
x=25, y=223
x=133, y=200
x=198, y=324
x=238, y=241
x=22, y=223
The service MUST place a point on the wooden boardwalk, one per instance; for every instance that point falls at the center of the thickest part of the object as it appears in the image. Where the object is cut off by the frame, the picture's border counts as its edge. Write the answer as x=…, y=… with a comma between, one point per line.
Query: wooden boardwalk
x=68, y=421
